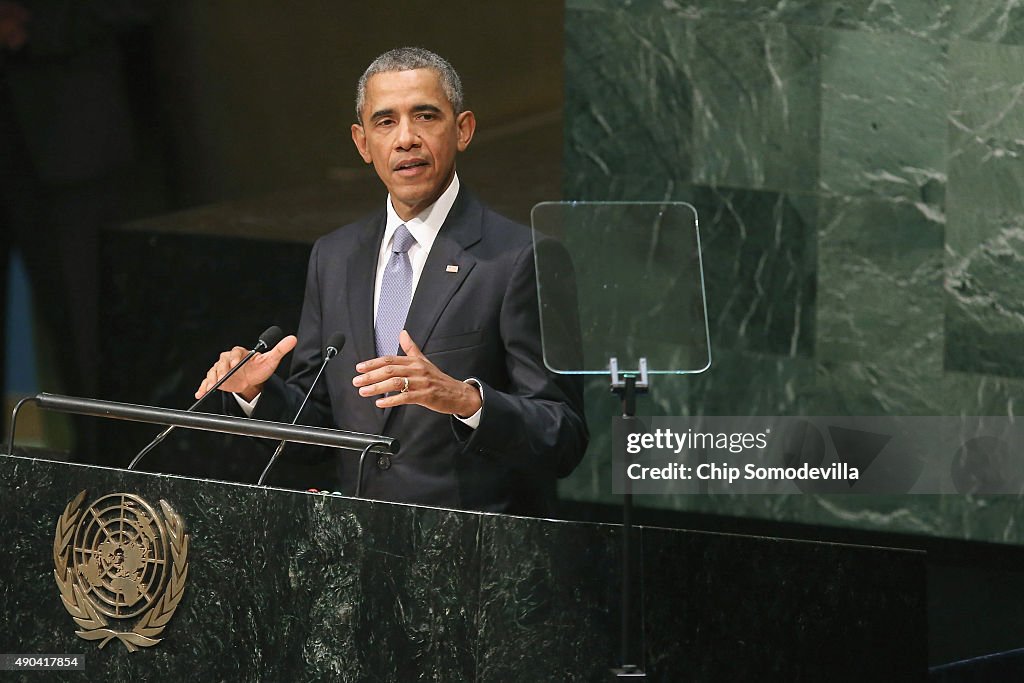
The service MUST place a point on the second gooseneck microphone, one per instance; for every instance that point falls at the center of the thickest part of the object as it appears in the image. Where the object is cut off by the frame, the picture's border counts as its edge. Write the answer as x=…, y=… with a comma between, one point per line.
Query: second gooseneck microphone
x=270, y=338
x=335, y=343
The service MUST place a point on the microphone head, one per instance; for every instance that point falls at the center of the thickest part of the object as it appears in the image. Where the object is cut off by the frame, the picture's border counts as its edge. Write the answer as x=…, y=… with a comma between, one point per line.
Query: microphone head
x=335, y=343
x=270, y=338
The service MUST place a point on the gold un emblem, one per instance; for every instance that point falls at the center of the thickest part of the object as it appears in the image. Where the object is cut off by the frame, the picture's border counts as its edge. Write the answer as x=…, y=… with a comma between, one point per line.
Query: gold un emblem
x=119, y=559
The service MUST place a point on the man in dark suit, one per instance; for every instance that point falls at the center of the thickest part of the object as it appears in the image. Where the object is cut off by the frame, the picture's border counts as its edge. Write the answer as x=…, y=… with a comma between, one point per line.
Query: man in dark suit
x=436, y=295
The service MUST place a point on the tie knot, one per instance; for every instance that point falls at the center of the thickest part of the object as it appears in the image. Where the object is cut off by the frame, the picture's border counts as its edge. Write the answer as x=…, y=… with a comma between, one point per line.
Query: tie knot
x=402, y=241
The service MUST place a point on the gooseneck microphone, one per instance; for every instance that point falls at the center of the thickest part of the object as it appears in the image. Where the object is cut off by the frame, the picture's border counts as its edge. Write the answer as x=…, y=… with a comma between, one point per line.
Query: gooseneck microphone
x=335, y=343
x=270, y=338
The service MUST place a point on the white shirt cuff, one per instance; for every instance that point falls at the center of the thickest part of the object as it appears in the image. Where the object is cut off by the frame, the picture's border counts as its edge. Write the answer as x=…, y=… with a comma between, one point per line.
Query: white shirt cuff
x=248, y=406
x=473, y=421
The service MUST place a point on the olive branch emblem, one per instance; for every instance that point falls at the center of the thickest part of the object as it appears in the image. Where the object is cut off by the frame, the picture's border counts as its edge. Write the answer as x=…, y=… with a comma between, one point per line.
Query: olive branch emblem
x=93, y=624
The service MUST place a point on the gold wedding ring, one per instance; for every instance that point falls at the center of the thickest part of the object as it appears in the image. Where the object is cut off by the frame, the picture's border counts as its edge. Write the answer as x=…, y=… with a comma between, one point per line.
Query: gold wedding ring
x=405, y=387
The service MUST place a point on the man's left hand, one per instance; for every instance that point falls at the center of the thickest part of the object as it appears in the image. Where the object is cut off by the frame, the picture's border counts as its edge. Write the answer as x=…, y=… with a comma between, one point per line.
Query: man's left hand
x=427, y=385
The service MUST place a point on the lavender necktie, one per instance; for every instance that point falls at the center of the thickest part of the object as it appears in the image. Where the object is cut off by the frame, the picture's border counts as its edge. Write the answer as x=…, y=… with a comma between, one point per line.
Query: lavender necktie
x=395, y=293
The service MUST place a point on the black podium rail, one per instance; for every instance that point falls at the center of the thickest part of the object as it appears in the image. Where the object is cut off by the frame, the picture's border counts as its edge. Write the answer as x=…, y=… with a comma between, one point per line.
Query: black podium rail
x=241, y=426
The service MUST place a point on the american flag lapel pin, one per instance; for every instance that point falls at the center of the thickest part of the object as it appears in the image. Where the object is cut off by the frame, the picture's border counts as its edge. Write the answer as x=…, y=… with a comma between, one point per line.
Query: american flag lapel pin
x=451, y=269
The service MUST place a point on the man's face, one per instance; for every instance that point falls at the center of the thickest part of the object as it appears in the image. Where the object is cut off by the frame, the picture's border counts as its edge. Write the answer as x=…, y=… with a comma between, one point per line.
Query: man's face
x=411, y=135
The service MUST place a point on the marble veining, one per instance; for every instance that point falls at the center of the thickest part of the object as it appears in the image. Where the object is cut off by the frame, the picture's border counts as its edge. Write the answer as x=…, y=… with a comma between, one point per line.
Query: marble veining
x=856, y=168
x=756, y=115
x=883, y=117
x=294, y=586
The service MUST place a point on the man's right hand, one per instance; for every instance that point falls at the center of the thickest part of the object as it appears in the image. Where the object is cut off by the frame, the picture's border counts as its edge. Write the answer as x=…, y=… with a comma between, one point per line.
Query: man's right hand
x=247, y=382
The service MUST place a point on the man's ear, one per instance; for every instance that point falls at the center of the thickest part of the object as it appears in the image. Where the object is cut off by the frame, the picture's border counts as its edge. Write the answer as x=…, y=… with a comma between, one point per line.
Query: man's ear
x=359, y=138
x=466, y=125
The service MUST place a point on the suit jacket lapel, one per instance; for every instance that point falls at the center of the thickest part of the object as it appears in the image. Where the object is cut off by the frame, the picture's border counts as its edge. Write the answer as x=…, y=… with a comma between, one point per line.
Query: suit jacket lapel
x=437, y=284
x=362, y=272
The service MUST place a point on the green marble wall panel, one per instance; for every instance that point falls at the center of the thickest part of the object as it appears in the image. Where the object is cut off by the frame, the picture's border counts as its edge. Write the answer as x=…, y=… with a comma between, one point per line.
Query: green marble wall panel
x=857, y=170
x=756, y=105
x=877, y=388
x=759, y=269
x=977, y=394
x=990, y=21
x=985, y=292
x=797, y=386
x=880, y=274
x=759, y=264
x=985, y=288
x=633, y=99
x=883, y=117
x=758, y=255
x=921, y=18
x=985, y=124
x=775, y=385
x=625, y=187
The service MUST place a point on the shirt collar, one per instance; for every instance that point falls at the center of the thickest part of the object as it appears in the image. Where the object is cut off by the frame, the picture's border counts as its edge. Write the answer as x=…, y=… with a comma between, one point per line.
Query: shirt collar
x=425, y=225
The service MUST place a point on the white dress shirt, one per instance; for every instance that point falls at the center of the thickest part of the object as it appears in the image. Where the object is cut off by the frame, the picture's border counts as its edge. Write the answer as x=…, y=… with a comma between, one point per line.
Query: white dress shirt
x=424, y=228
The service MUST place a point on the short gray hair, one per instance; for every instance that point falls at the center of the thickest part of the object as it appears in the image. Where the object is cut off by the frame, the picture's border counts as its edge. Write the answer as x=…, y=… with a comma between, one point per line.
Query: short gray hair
x=407, y=59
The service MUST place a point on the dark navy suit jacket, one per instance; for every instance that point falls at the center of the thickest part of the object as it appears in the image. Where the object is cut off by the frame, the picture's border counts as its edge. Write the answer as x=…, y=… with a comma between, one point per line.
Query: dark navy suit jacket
x=479, y=322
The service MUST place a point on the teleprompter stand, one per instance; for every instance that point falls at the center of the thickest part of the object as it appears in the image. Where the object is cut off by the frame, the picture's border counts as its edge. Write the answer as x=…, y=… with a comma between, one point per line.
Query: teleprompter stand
x=621, y=285
x=627, y=385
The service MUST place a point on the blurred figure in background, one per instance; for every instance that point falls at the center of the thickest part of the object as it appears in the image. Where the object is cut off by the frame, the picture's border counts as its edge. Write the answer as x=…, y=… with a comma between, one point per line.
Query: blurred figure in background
x=66, y=130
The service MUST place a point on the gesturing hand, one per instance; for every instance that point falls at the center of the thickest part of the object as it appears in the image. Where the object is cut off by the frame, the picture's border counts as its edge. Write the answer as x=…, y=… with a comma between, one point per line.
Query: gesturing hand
x=415, y=380
x=247, y=382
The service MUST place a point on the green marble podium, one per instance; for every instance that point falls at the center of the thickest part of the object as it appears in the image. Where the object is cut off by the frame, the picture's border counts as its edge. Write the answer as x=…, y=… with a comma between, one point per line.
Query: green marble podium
x=291, y=586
